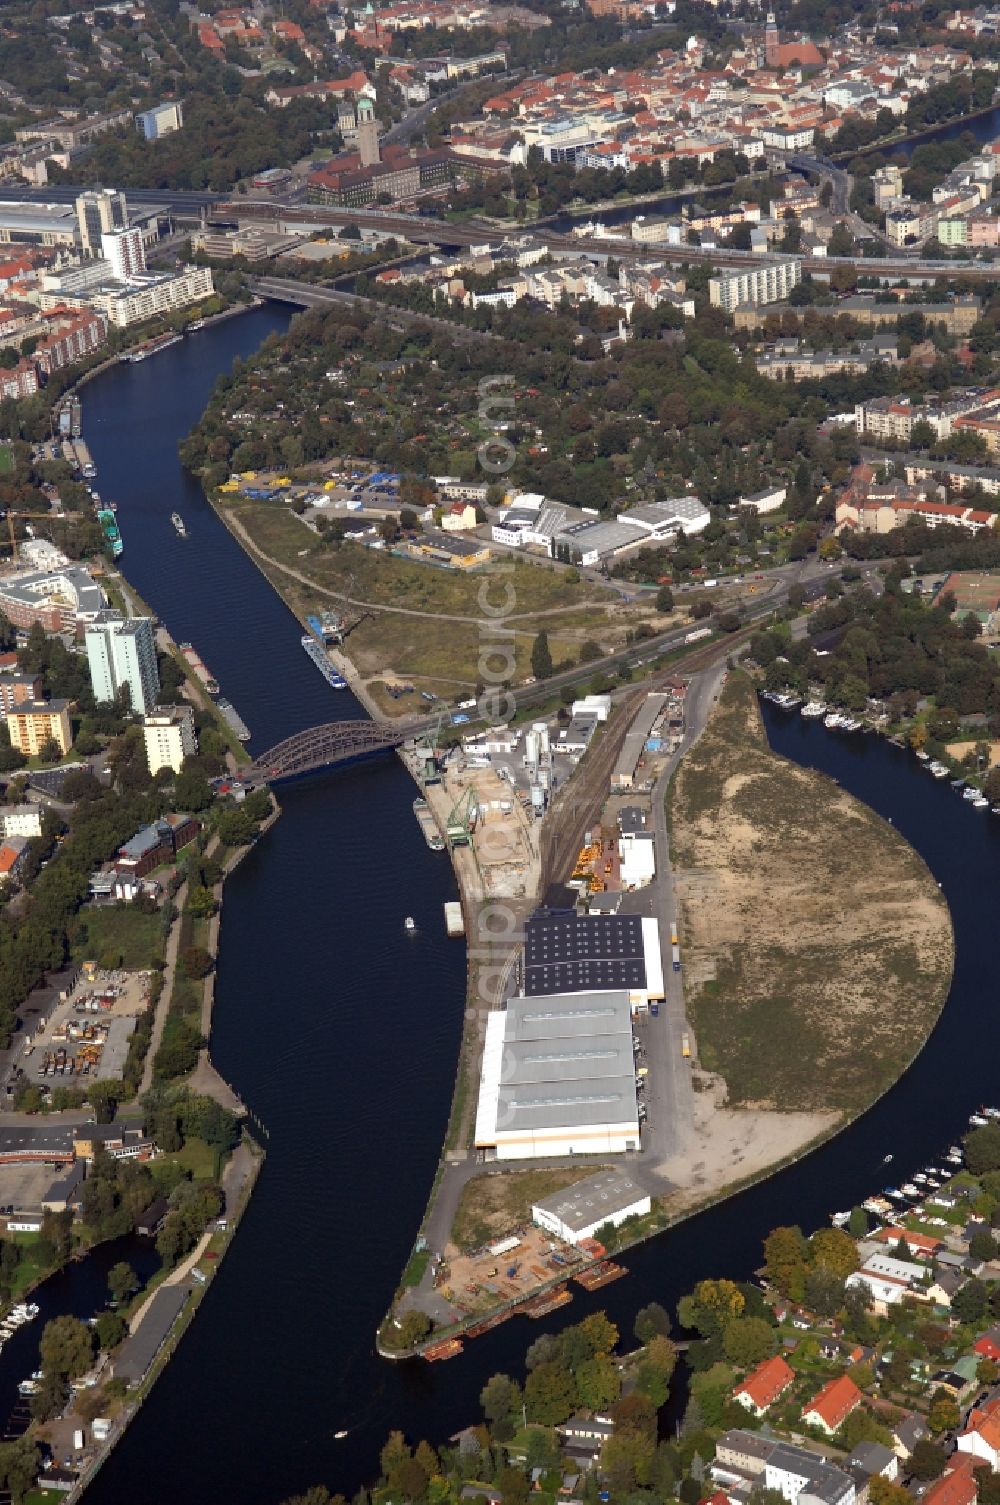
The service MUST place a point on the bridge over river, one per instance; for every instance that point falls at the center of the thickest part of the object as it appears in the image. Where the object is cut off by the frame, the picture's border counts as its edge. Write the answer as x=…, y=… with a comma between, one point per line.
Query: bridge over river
x=324, y=746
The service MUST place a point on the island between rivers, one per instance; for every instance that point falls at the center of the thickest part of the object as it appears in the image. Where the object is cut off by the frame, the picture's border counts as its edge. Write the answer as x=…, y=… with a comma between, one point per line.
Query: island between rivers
x=286, y=1018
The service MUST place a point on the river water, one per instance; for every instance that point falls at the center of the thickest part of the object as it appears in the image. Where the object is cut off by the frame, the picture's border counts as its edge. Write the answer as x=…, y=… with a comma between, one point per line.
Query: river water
x=342, y=1033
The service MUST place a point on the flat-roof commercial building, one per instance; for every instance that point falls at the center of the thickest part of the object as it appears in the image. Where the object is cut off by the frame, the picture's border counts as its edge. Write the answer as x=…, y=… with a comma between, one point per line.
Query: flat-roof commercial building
x=570, y=953
x=576, y=1213
x=558, y=1077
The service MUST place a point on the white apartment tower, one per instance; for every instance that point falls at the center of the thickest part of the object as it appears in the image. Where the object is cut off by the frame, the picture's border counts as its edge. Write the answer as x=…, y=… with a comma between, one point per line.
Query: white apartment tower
x=121, y=653
x=125, y=252
x=170, y=737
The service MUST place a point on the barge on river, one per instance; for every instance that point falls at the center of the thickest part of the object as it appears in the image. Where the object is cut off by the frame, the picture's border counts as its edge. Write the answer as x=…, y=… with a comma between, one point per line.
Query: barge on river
x=211, y=686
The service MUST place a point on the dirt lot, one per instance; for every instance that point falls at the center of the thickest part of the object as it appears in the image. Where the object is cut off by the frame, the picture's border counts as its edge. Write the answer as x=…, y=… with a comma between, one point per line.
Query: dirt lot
x=496, y=1204
x=806, y=920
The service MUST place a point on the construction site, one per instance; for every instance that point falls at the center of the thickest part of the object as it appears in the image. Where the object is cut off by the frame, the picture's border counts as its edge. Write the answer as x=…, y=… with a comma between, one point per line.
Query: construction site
x=486, y=824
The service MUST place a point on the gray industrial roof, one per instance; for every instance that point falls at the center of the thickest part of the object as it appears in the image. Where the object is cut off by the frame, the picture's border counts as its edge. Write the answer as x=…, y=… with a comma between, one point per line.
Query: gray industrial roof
x=566, y=1061
x=138, y=1352
x=592, y=1200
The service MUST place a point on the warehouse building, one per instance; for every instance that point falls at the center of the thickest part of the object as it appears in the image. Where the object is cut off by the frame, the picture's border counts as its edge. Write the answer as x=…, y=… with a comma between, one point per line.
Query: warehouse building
x=577, y=953
x=634, y=743
x=576, y=1213
x=558, y=1077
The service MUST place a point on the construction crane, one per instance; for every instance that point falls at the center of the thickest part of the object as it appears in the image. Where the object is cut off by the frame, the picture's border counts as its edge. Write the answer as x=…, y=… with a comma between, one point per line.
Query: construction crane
x=462, y=819
x=10, y=529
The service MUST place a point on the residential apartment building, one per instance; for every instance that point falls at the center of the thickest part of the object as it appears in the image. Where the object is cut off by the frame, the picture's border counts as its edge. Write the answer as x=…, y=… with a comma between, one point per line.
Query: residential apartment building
x=61, y=599
x=148, y=295
x=760, y=284
x=36, y=723
x=161, y=120
x=123, y=653
x=125, y=253
x=17, y=689
x=895, y=418
x=169, y=737
x=20, y=820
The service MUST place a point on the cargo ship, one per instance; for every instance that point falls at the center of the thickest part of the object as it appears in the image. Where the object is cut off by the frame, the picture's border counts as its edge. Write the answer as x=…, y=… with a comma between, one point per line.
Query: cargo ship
x=210, y=684
x=317, y=653
x=109, y=528
x=161, y=342
x=428, y=825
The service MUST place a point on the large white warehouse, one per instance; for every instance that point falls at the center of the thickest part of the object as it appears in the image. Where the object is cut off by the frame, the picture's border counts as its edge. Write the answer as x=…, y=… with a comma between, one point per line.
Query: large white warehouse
x=558, y=1077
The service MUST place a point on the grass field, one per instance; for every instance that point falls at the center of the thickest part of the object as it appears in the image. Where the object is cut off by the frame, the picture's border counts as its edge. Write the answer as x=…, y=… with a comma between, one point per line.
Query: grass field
x=118, y=937
x=817, y=947
x=441, y=655
x=6, y=460
x=493, y=1204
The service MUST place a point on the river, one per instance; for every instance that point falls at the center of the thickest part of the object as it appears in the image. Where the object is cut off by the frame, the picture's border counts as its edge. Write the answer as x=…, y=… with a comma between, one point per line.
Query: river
x=342, y=1033
x=985, y=127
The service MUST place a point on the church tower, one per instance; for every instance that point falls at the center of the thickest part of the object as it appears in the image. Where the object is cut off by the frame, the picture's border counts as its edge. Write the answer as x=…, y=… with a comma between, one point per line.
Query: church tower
x=772, y=41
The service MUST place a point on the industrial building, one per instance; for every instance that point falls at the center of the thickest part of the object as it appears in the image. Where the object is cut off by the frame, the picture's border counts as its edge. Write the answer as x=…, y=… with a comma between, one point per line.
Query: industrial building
x=567, y=952
x=576, y=1213
x=123, y=653
x=636, y=738
x=558, y=1077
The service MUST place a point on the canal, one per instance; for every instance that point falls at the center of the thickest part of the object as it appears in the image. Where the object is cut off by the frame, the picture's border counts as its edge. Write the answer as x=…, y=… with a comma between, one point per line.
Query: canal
x=341, y=1032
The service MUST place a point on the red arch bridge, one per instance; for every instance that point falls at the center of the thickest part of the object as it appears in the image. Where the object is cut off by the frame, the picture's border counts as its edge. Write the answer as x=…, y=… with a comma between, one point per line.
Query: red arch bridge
x=323, y=747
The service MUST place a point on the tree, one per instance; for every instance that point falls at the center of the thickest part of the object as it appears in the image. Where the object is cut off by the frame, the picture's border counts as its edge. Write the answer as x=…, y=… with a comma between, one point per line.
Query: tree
x=833, y=1249
x=191, y=790
x=598, y=1382
x=969, y=1303
x=111, y=1329
x=500, y=1397
x=236, y=827
x=664, y=600
x=943, y=1414
x=600, y=1333
x=67, y=1348
x=196, y=961
x=651, y=1321
x=786, y=1257
x=549, y=1394
x=19, y=1464
x=881, y=1491
x=982, y=1245
x=541, y=658
x=927, y=1460
x=122, y=1281
x=747, y=1341
x=413, y=1328
x=857, y=1225
x=513, y=1486
x=982, y=1149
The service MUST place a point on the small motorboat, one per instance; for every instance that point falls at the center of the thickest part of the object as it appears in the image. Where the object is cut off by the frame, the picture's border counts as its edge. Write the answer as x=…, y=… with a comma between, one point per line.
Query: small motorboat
x=409, y=924
x=339, y=1436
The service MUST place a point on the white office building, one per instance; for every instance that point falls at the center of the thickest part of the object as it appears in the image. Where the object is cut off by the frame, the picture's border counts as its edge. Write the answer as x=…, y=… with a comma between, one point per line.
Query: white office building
x=121, y=653
x=170, y=738
x=576, y=1213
